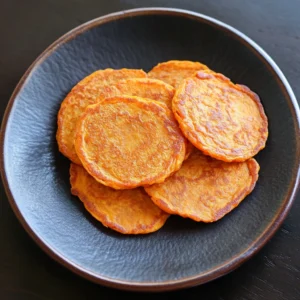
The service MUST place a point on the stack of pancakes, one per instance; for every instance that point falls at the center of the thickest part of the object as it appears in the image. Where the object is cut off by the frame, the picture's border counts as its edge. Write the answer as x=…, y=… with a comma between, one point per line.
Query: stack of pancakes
x=178, y=140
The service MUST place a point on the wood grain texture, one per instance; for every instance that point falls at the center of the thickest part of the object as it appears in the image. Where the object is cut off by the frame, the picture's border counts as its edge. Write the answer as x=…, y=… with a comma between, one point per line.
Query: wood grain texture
x=27, y=28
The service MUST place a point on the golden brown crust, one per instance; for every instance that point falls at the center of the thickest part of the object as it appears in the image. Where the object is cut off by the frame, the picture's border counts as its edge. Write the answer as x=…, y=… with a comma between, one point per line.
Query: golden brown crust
x=205, y=189
x=126, y=142
x=85, y=93
x=174, y=71
x=125, y=211
x=223, y=120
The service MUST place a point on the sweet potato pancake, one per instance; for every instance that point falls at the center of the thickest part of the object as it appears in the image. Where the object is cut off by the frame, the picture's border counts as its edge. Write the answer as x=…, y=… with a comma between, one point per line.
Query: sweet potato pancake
x=224, y=120
x=141, y=87
x=125, y=211
x=205, y=189
x=125, y=142
x=86, y=92
x=174, y=71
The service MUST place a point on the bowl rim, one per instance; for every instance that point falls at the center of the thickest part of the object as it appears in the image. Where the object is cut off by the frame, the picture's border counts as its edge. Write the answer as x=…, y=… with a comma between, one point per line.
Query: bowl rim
x=218, y=270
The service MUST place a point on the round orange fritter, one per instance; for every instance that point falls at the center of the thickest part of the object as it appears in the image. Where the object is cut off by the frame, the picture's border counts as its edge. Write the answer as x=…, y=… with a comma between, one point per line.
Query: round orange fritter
x=125, y=142
x=205, y=189
x=85, y=93
x=125, y=211
x=224, y=120
x=141, y=87
x=174, y=71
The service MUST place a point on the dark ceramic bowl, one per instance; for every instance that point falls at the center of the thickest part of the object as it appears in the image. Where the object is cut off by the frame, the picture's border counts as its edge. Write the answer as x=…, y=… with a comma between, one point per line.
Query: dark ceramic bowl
x=183, y=253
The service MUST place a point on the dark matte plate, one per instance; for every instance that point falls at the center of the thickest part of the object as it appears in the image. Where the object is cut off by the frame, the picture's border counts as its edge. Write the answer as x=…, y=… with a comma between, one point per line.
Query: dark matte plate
x=183, y=253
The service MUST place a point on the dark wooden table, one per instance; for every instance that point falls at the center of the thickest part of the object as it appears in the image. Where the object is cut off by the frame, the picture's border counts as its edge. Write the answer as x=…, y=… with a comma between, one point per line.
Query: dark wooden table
x=27, y=27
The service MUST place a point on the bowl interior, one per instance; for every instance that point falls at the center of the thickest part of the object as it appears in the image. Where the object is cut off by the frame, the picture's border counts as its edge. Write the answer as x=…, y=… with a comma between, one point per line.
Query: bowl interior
x=37, y=174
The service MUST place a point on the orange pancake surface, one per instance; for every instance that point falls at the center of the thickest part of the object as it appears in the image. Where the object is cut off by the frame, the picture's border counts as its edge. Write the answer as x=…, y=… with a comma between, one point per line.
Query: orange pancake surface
x=141, y=87
x=174, y=71
x=152, y=89
x=125, y=142
x=86, y=92
x=125, y=211
x=205, y=189
x=224, y=120
x=146, y=88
